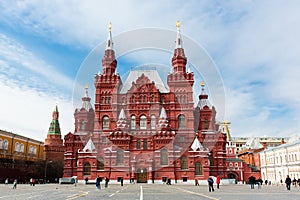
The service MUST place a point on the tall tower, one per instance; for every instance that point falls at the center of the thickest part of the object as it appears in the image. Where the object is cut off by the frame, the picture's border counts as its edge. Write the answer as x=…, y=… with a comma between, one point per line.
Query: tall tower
x=84, y=116
x=107, y=85
x=207, y=118
x=181, y=84
x=54, y=149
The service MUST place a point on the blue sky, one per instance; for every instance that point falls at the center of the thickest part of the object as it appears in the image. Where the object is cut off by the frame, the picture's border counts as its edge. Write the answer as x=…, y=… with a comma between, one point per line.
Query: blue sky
x=254, y=45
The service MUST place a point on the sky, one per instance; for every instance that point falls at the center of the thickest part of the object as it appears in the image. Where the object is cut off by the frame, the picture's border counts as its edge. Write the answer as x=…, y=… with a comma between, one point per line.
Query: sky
x=254, y=46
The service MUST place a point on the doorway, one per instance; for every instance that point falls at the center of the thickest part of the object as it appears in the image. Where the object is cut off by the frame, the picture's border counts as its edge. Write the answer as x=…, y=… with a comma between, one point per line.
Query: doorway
x=142, y=176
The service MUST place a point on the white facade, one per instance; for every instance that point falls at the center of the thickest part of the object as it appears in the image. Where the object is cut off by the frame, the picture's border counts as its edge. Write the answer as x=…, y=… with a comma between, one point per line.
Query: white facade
x=280, y=161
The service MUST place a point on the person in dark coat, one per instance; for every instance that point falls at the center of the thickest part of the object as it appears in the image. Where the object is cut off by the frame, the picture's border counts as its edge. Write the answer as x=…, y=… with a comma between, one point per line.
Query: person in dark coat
x=251, y=181
x=106, y=182
x=288, y=182
x=210, y=181
x=121, y=181
x=98, y=185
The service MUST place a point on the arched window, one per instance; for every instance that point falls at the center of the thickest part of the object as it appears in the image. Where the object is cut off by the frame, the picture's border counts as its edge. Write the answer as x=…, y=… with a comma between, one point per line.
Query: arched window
x=141, y=99
x=17, y=147
x=181, y=121
x=5, y=145
x=184, y=162
x=138, y=144
x=102, y=100
x=1, y=145
x=120, y=157
x=145, y=144
x=105, y=123
x=206, y=124
x=100, y=164
x=153, y=122
x=164, y=157
x=163, y=99
x=34, y=150
x=22, y=148
x=133, y=122
x=152, y=98
x=87, y=169
x=184, y=99
x=143, y=122
x=132, y=99
x=82, y=126
x=145, y=99
x=123, y=100
x=198, y=168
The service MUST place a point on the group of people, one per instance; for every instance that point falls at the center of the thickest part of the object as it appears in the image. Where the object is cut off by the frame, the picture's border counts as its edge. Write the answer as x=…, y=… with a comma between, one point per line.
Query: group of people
x=288, y=182
x=210, y=181
x=106, y=180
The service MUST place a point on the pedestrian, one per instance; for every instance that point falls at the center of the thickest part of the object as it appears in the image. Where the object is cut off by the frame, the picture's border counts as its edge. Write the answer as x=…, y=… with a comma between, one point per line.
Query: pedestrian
x=15, y=184
x=196, y=182
x=259, y=183
x=6, y=181
x=266, y=182
x=298, y=181
x=295, y=182
x=218, y=180
x=106, y=182
x=121, y=181
x=288, y=182
x=33, y=182
x=210, y=181
x=98, y=185
x=281, y=181
x=30, y=182
x=251, y=181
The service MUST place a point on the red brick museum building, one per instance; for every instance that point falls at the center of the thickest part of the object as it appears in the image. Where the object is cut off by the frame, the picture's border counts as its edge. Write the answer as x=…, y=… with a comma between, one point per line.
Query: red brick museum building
x=145, y=129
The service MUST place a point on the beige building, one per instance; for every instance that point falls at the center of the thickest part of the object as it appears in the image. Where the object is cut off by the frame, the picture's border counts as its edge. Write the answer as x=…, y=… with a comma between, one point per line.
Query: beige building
x=280, y=161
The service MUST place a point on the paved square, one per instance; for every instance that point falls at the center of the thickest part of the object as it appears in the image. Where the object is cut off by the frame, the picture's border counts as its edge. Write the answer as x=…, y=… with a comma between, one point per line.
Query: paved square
x=147, y=192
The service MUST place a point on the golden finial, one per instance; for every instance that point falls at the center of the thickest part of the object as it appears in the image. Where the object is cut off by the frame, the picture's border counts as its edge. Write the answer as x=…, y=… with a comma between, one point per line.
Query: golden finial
x=202, y=83
x=86, y=86
x=178, y=24
x=109, y=27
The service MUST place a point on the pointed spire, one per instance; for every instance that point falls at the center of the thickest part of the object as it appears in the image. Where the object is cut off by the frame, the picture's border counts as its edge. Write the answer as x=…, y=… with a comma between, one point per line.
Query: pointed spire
x=163, y=114
x=86, y=90
x=202, y=86
x=109, y=42
x=189, y=69
x=86, y=100
x=54, y=125
x=122, y=114
x=178, y=38
x=89, y=147
x=197, y=145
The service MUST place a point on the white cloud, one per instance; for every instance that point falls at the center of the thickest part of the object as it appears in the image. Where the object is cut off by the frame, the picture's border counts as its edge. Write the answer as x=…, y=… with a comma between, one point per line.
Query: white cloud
x=254, y=43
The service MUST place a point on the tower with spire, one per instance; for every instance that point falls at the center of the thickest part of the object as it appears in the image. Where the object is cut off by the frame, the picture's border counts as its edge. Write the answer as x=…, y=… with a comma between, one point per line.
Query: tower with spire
x=84, y=116
x=54, y=148
x=107, y=86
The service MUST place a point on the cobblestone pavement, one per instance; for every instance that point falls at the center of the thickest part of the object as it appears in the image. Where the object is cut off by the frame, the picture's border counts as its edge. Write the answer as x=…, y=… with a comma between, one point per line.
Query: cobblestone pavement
x=148, y=192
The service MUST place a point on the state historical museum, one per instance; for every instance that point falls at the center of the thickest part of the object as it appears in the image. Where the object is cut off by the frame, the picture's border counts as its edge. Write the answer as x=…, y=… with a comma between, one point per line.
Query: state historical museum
x=143, y=129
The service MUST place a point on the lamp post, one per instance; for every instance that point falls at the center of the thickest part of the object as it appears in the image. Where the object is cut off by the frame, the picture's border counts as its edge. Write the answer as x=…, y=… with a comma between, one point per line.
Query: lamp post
x=46, y=164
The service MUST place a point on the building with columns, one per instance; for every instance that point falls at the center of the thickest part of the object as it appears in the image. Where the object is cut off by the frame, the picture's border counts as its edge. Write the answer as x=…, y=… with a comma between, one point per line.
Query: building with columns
x=143, y=129
x=280, y=161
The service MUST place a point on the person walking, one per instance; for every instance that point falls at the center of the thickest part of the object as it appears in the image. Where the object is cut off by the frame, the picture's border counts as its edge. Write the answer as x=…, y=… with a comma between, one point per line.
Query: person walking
x=259, y=183
x=121, y=181
x=98, y=185
x=106, y=182
x=288, y=182
x=196, y=182
x=251, y=181
x=15, y=184
x=6, y=181
x=210, y=181
x=218, y=180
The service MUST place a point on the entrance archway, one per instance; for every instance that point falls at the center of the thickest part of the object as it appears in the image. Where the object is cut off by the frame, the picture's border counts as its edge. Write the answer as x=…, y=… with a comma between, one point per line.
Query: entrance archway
x=142, y=176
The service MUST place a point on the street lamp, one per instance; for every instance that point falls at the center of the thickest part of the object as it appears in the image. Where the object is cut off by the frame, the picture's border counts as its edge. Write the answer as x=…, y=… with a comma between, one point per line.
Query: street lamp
x=46, y=164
